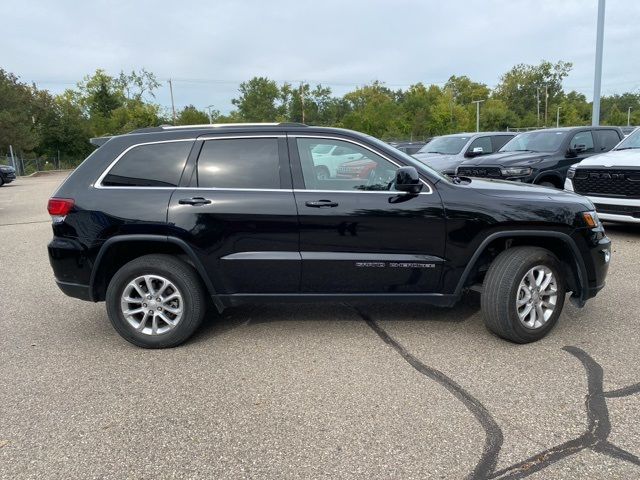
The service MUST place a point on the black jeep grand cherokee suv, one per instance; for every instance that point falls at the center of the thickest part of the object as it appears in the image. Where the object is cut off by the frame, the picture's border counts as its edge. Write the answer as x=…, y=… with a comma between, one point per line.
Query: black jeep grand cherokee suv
x=161, y=221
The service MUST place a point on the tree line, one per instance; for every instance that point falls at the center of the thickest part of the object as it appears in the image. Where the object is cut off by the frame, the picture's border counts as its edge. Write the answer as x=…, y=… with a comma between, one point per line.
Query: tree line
x=38, y=123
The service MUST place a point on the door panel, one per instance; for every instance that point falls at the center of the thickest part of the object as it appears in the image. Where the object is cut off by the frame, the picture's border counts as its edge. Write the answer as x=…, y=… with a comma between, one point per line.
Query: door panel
x=246, y=237
x=365, y=239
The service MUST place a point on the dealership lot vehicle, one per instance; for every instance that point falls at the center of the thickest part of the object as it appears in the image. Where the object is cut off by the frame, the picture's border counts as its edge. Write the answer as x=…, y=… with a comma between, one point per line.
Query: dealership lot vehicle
x=304, y=391
x=611, y=181
x=159, y=222
x=446, y=152
x=7, y=174
x=542, y=156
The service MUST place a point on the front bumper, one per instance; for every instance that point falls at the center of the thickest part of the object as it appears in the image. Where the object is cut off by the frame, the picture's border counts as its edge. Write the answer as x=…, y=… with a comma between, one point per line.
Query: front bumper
x=595, y=249
x=8, y=177
x=613, y=209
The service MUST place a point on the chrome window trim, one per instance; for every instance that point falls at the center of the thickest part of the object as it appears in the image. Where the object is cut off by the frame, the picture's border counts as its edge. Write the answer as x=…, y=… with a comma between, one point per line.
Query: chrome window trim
x=362, y=145
x=98, y=183
x=236, y=136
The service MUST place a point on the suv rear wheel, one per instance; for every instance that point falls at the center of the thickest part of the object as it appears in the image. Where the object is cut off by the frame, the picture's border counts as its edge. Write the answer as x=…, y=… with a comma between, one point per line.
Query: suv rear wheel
x=523, y=294
x=156, y=301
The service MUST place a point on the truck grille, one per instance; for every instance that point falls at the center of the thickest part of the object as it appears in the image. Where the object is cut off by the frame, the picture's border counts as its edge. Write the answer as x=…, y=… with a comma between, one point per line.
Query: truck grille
x=607, y=182
x=490, y=172
x=628, y=210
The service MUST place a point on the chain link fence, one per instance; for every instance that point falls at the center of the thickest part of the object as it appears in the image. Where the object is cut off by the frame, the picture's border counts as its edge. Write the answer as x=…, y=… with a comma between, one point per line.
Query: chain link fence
x=27, y=166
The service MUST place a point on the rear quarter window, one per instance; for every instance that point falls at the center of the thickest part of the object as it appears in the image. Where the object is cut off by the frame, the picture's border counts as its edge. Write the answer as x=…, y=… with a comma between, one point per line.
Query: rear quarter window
x=151, y=165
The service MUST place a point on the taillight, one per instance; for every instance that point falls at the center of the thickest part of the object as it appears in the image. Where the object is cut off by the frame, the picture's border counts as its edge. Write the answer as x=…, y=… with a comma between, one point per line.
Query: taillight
x=59, y=207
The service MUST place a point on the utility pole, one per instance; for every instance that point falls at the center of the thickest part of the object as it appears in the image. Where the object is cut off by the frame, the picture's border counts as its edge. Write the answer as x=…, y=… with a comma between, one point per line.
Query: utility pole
x=302, y=100
x=546, y=102
x=597, y=77
x=477, y=102
x=210, y=116
x=538, y=102
x=629, y=117
x=558, y=118
x=173, y=106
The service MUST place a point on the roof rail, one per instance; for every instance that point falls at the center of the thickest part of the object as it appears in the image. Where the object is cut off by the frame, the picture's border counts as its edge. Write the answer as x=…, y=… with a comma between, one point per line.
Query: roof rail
x=222, y=125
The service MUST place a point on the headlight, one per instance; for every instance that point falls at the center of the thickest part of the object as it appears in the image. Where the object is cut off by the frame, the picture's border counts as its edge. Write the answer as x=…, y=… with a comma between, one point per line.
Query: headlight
x=515, y=172
x=571, y=173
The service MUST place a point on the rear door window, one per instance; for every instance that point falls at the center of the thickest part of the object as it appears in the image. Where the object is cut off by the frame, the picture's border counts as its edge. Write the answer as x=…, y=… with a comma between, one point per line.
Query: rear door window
x=499, y=141
x=150, y=165
x=239, y=163
x=607, y=139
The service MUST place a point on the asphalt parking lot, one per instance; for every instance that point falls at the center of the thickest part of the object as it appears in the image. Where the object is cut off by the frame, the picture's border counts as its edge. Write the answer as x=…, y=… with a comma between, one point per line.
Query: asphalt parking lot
x=290, y=391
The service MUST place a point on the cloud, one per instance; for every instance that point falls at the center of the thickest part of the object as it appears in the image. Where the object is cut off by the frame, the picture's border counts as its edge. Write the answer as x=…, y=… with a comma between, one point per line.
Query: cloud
x=209, y=47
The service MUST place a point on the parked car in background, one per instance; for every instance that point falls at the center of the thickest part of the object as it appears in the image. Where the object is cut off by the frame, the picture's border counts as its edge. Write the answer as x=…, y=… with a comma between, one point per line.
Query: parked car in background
x=611, y=181
x=627, y=130
x=542, y=156
x=408, y=147
x=446, y=152
x=328, y=158
x=7, y=174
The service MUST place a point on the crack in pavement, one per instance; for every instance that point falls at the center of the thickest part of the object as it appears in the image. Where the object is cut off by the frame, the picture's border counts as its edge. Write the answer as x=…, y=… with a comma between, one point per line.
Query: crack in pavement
x=594, y=438
x=493, y=433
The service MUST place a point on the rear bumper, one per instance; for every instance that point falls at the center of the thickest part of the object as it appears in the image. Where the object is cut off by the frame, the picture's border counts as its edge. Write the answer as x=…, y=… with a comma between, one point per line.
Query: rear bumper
x=71, y=267
x=75, y=290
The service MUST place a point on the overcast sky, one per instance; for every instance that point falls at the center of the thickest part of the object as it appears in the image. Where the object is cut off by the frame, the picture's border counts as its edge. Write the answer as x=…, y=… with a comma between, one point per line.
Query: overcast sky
x=208, y=47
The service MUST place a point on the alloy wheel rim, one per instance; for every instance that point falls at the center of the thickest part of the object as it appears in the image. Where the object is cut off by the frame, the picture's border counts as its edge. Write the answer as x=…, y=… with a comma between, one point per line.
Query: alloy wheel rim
x=537, y=297
x=152, y=304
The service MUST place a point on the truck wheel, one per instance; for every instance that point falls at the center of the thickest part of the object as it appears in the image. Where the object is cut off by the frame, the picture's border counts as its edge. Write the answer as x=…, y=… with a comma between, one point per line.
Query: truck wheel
x=1, y=181
x=156, y=301
x=523, y=294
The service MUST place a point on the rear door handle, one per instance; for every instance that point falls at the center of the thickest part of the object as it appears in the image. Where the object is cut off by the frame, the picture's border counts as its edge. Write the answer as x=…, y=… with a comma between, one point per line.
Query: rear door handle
x=321, y=204
x=194, y=201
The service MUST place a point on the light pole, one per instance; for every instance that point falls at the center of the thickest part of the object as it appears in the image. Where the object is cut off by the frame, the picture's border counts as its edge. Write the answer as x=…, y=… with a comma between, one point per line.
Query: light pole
x=629, y=117
x=209, y=110
x=597, y=78
x=558, y=118
x=477, y=102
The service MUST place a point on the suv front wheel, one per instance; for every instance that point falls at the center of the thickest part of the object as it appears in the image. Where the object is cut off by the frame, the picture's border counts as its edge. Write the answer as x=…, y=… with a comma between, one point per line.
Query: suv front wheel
x=156, y=301
x=523, y=294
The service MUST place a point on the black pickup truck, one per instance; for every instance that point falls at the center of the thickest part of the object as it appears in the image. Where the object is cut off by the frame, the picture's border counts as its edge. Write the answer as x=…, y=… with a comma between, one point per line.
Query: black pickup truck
x=544, y=156
x=162, y=222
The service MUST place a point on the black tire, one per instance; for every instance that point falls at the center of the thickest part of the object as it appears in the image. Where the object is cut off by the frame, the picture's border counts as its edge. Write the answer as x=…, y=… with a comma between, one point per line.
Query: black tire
x=1, y=181
x=187, y=281
x=500, y=292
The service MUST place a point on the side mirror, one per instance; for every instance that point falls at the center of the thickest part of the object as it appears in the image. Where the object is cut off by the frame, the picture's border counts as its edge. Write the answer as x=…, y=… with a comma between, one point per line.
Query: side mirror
x=408, y=180
x=475, y=152
x=576, y=149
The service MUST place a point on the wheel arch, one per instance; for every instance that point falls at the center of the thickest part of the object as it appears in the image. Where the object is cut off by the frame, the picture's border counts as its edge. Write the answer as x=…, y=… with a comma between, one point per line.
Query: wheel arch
x=117, y=251
x=550, y=176
x=560, y=244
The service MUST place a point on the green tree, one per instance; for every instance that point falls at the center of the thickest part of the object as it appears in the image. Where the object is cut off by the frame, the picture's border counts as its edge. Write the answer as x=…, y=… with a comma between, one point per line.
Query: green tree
x=522, y=86
x=190, y=115
x=260, y=100
x=17, y=123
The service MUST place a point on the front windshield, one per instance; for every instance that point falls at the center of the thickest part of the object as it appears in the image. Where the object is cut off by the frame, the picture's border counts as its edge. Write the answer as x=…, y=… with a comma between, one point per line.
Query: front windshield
x=445, y=145
x=632, y=141
x=545, y=141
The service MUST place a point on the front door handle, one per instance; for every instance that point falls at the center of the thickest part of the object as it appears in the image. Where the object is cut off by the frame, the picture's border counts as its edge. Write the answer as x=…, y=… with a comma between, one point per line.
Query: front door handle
x=194, y=201
x=321, y=204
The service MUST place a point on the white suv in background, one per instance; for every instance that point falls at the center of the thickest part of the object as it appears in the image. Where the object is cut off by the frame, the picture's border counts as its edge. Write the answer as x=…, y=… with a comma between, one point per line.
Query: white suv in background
x=611, y=181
